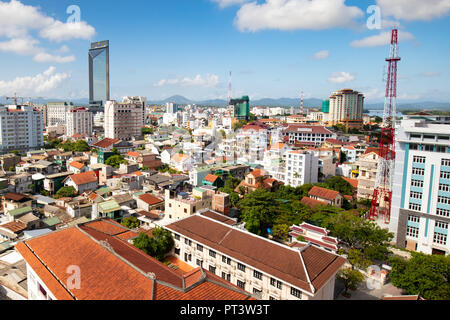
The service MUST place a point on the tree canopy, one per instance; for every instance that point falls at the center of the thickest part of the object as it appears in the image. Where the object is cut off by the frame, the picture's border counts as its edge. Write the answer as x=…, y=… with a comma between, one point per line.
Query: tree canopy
x=424, y=275
x=78, y=146
x=66, y=192
x=130, y=222
x=115, y=161
x=158, y=245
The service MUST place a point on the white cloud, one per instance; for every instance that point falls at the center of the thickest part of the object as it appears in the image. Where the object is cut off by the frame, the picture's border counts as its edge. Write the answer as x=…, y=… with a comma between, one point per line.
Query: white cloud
x=59, y=31
x=227, y=3
x=29, y=85
x=210, y=80
x=381, y=39
x=410, y=10
x=297, y=14
x=341, y=77
x=18, y=21
x=321, y=55
x=207, y=81
x=46, y=57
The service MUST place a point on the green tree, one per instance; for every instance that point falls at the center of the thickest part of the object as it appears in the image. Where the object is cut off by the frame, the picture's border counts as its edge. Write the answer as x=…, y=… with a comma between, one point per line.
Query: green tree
x=337, y=183
x=258, y=211
x=350, y=278
x=115, y=161
x=131, y=223
x=115, y=151
x=281, y=232
x=424, y=275
x=11, y=169
x=358, y=259
x=81, y=146
x=158, y=245
x=146, y=131
x=67, y=192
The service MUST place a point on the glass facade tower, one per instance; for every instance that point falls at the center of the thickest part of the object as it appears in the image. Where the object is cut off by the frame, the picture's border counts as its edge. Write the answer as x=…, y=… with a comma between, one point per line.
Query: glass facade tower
x=99, y=90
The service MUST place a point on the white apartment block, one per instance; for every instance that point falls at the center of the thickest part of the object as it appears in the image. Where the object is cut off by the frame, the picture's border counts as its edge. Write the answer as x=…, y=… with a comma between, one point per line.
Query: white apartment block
x=21, y=128
x=421, y=194
x=57, y=112
x=346, y=107
x=123, y=121
x=302, y=167
x=269, y=270
x=80, y=121
x=307, y=133
x=138, y=100
x=368, y=164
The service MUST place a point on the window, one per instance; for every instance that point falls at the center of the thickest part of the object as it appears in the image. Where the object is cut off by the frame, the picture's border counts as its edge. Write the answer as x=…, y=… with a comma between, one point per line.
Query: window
x=414, y=146
x=441, y=149
x=415, y=207
x=226, y=276
x=188, y=242
x=42, y=290
x=444, y=187
x=187, y=257
x=212, y=269
x=412, y=232
x=440, y=238
x=414, y=219
x=212, y=253
x=177, y=236
x=445, y=162
x=443, y=212
x=442, y=225
x=445, y=175
x=428, y=147
x=241, y=267
x=296, y=293
x=417, y=183
x=416, y=136
x=272, y=298
x=429, y=137
x=257, y=275
x=177, y=251
x=256, y=291
x=418, y=171
x=241, y=284
x=418, y=159
x=200, y=248
x=199, y=263
x=275, y=283
x=415, y=195
x=443, y=200
x=226, y=260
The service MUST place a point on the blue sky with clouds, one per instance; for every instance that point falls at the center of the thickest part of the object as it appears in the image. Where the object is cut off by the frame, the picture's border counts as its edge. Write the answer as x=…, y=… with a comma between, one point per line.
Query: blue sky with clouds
x=275, y=48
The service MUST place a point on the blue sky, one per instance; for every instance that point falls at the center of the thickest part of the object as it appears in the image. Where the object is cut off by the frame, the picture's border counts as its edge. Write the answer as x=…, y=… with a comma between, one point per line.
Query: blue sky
x=275, y=48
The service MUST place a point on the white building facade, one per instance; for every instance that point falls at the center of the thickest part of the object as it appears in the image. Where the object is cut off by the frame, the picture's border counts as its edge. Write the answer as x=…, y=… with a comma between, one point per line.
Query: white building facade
x=420, y=214
x=80, y=121
x=123, y=121
x=21, y=128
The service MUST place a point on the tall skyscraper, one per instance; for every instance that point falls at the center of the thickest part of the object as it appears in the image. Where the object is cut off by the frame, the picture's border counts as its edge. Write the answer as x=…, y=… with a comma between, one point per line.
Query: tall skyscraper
x=99, y=90
x=346, y=107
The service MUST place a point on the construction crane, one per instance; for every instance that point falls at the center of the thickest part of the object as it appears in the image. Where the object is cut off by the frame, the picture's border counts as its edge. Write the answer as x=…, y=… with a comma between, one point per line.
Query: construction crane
x=15, y=98
x=382, y=196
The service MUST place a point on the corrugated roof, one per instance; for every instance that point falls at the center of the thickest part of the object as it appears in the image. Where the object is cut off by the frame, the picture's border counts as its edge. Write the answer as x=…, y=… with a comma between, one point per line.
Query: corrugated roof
x=20, y=211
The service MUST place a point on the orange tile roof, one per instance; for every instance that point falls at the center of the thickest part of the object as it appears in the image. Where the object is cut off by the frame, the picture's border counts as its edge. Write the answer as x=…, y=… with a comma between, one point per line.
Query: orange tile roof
x=83, y=178
x=323, y=193
x=133, y=154
x=106, y=143
x=353, y=182
x=14, y=226
x=179, y=157
x=211, y=178
x=313, y=202
x=150, y=199
x=277, y=146
x=77, y=165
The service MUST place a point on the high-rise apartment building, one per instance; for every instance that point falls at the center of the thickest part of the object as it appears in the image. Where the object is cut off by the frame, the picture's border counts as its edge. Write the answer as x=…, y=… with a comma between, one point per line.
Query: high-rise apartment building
x=80, y=121
x=138, y=101
x=346, y=107
x=123, y=121
x=21, y=128
x=99, y=89
x=57, y=112
x=301, y=167
x=241, y=108
x=171, y=108
x=420, y=214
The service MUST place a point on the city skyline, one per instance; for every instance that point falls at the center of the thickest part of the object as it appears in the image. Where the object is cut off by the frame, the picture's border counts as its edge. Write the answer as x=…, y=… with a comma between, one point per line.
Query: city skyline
x=47, y=57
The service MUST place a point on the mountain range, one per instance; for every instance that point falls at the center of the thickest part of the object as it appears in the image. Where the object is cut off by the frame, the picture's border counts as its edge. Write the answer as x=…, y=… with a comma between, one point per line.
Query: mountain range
x=266, y=102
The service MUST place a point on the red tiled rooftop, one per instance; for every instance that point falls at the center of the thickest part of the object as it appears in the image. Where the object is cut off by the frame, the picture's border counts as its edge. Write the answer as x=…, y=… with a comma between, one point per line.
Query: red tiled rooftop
x=83, y=178
x=106, y=143
x=77, y=165
x=313, y=202
x=211, y=178
x=150, y=199
x=323, y=193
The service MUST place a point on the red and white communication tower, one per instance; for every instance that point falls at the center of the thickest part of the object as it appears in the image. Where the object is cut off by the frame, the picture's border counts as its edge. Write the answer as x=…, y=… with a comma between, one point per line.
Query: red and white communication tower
x=382, y=196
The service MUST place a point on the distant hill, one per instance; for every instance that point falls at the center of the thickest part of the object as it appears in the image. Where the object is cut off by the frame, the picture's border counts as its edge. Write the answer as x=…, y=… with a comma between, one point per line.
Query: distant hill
x=266, y=102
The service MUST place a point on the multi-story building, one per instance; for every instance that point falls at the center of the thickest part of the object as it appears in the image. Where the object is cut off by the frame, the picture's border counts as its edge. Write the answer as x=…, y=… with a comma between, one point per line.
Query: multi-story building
x=269, y=270
x=368, y=164
x=420, y=214
x=306, y=133
x=241, y=108
x=99, y=88
x=346, y=107
x=171, y=107
x=302, y=167
x=80, y=121
x=182, y=205
x=21, y=128
x=123, y=121
x=57, y=113
x=138, y=100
